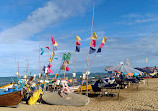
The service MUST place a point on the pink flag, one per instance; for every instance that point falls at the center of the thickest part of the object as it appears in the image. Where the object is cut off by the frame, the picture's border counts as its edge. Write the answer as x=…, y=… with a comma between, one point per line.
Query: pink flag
x=50, y=65
x=78, y=43
x=53, y=40
x=101, y=45
x=48, y=48
x=49, y=70
x=93, y=43
x=67, y=68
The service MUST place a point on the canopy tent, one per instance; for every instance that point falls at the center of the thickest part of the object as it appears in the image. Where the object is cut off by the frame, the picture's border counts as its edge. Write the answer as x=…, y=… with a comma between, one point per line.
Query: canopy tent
x=125, y=69
x=143, y=70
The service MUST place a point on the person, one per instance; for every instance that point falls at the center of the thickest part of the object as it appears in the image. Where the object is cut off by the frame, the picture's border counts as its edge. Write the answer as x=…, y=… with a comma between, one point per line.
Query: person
x=95, y=86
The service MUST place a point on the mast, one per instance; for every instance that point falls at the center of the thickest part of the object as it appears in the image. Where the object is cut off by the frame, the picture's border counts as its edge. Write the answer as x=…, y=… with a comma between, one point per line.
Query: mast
x=18, y=69
x=39, y=60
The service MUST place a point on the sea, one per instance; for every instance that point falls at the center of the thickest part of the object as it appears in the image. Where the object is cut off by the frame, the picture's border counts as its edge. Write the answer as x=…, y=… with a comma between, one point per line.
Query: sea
x=7, y=80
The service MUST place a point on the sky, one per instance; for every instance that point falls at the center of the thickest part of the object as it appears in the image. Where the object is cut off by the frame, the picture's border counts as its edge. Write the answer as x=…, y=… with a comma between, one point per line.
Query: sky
x=27, y=25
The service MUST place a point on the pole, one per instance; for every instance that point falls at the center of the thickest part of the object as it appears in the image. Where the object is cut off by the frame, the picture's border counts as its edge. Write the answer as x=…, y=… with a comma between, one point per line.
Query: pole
x=18, y=69
x=39, y=60
x=74, y=62
x=89, y=50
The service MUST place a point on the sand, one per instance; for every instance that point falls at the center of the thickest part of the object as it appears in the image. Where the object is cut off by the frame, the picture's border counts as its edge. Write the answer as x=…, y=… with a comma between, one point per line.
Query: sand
x=131, y=99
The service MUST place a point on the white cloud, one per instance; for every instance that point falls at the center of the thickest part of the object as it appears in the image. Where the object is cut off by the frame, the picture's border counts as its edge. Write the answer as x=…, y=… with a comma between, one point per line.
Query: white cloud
x=37, y=21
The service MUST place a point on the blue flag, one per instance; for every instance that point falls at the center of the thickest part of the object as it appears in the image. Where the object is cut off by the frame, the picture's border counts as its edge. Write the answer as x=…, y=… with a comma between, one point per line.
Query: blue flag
x=77, y=48
x=99, y=50
x=42, y=51
x=92, y=50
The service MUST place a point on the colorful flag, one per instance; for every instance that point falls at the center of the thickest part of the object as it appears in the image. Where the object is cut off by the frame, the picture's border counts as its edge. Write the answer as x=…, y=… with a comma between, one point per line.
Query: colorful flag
x=77, y=48
x=92, y=50
x=54, y=48
x=42, y=51
x=64, y=56
x=48, y=48
x=44, y=68
x=49, y=70
x=62, y=68
x=51, y=59
x=99, y=50
x=53, y=40
x=53, y=54
x=146, y=60
x=78, y=43
x=127, y=62
x=68, y=56
x=101, y=45
x=50, y=65
x=67, y=68
x=94, y=36
x=56, y=43
x=93, y=43
x=104, y=40
x=78, y=38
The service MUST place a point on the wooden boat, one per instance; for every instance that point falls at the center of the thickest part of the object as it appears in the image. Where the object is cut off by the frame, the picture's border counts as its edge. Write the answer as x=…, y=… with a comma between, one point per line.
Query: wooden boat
x=84, y=88
x=11, y=99
x=69, y=99
x=7, y=86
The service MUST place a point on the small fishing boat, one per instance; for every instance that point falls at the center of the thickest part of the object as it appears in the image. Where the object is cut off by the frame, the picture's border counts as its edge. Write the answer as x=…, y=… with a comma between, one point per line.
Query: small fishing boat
x=7, y=86
x=84, y=88
x=11, y=99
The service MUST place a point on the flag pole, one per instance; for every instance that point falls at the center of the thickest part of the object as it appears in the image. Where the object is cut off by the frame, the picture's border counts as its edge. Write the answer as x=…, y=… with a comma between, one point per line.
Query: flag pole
x=89, y=50
x=74, y=63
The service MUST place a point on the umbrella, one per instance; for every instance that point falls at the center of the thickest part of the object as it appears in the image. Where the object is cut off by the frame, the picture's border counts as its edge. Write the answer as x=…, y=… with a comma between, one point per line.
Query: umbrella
x=143, y=70
x=125, y=69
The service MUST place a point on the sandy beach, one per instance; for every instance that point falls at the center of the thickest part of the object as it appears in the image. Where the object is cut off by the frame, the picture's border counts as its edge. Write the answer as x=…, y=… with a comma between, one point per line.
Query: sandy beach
x=131, y=99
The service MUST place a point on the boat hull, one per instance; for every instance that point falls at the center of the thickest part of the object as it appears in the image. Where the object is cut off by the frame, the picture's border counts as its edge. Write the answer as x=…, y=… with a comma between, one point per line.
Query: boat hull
x=11, y=99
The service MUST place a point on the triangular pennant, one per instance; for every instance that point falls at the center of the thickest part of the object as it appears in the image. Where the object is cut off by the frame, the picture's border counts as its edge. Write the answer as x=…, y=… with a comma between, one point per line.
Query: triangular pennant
x=67, y=68
x=92, y=50
x=93, y=43
x=54, y=48
x=42, y=51
x=51, y=59
x=78, y=38
x=104, y=40
x=44, y=68
x=78, y=48
x=53, y=54
x=99, y=50
x=62, y=68
x=94, y=36
x=49, y=70
x=64, y=56
x=53, y=40
x=101, y=45
x=50, y=65
x=68, y=56
x=78, y=43
x=48, y=48
x=56, y=43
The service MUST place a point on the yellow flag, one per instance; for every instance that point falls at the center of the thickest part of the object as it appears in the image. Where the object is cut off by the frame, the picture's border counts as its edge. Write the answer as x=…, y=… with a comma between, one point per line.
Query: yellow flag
x=104, y=40
x=53, y=54
x=56, y=44
x=78, y=38
x=94, y=36
x=51, y=59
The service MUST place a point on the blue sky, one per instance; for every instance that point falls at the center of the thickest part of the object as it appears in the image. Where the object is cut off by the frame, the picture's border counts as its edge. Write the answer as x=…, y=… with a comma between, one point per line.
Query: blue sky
x=129, y=25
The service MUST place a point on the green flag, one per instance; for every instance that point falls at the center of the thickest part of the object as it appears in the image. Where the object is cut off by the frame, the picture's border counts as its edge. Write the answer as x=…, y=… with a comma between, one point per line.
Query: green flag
x=68, y=56
x=64, y=56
